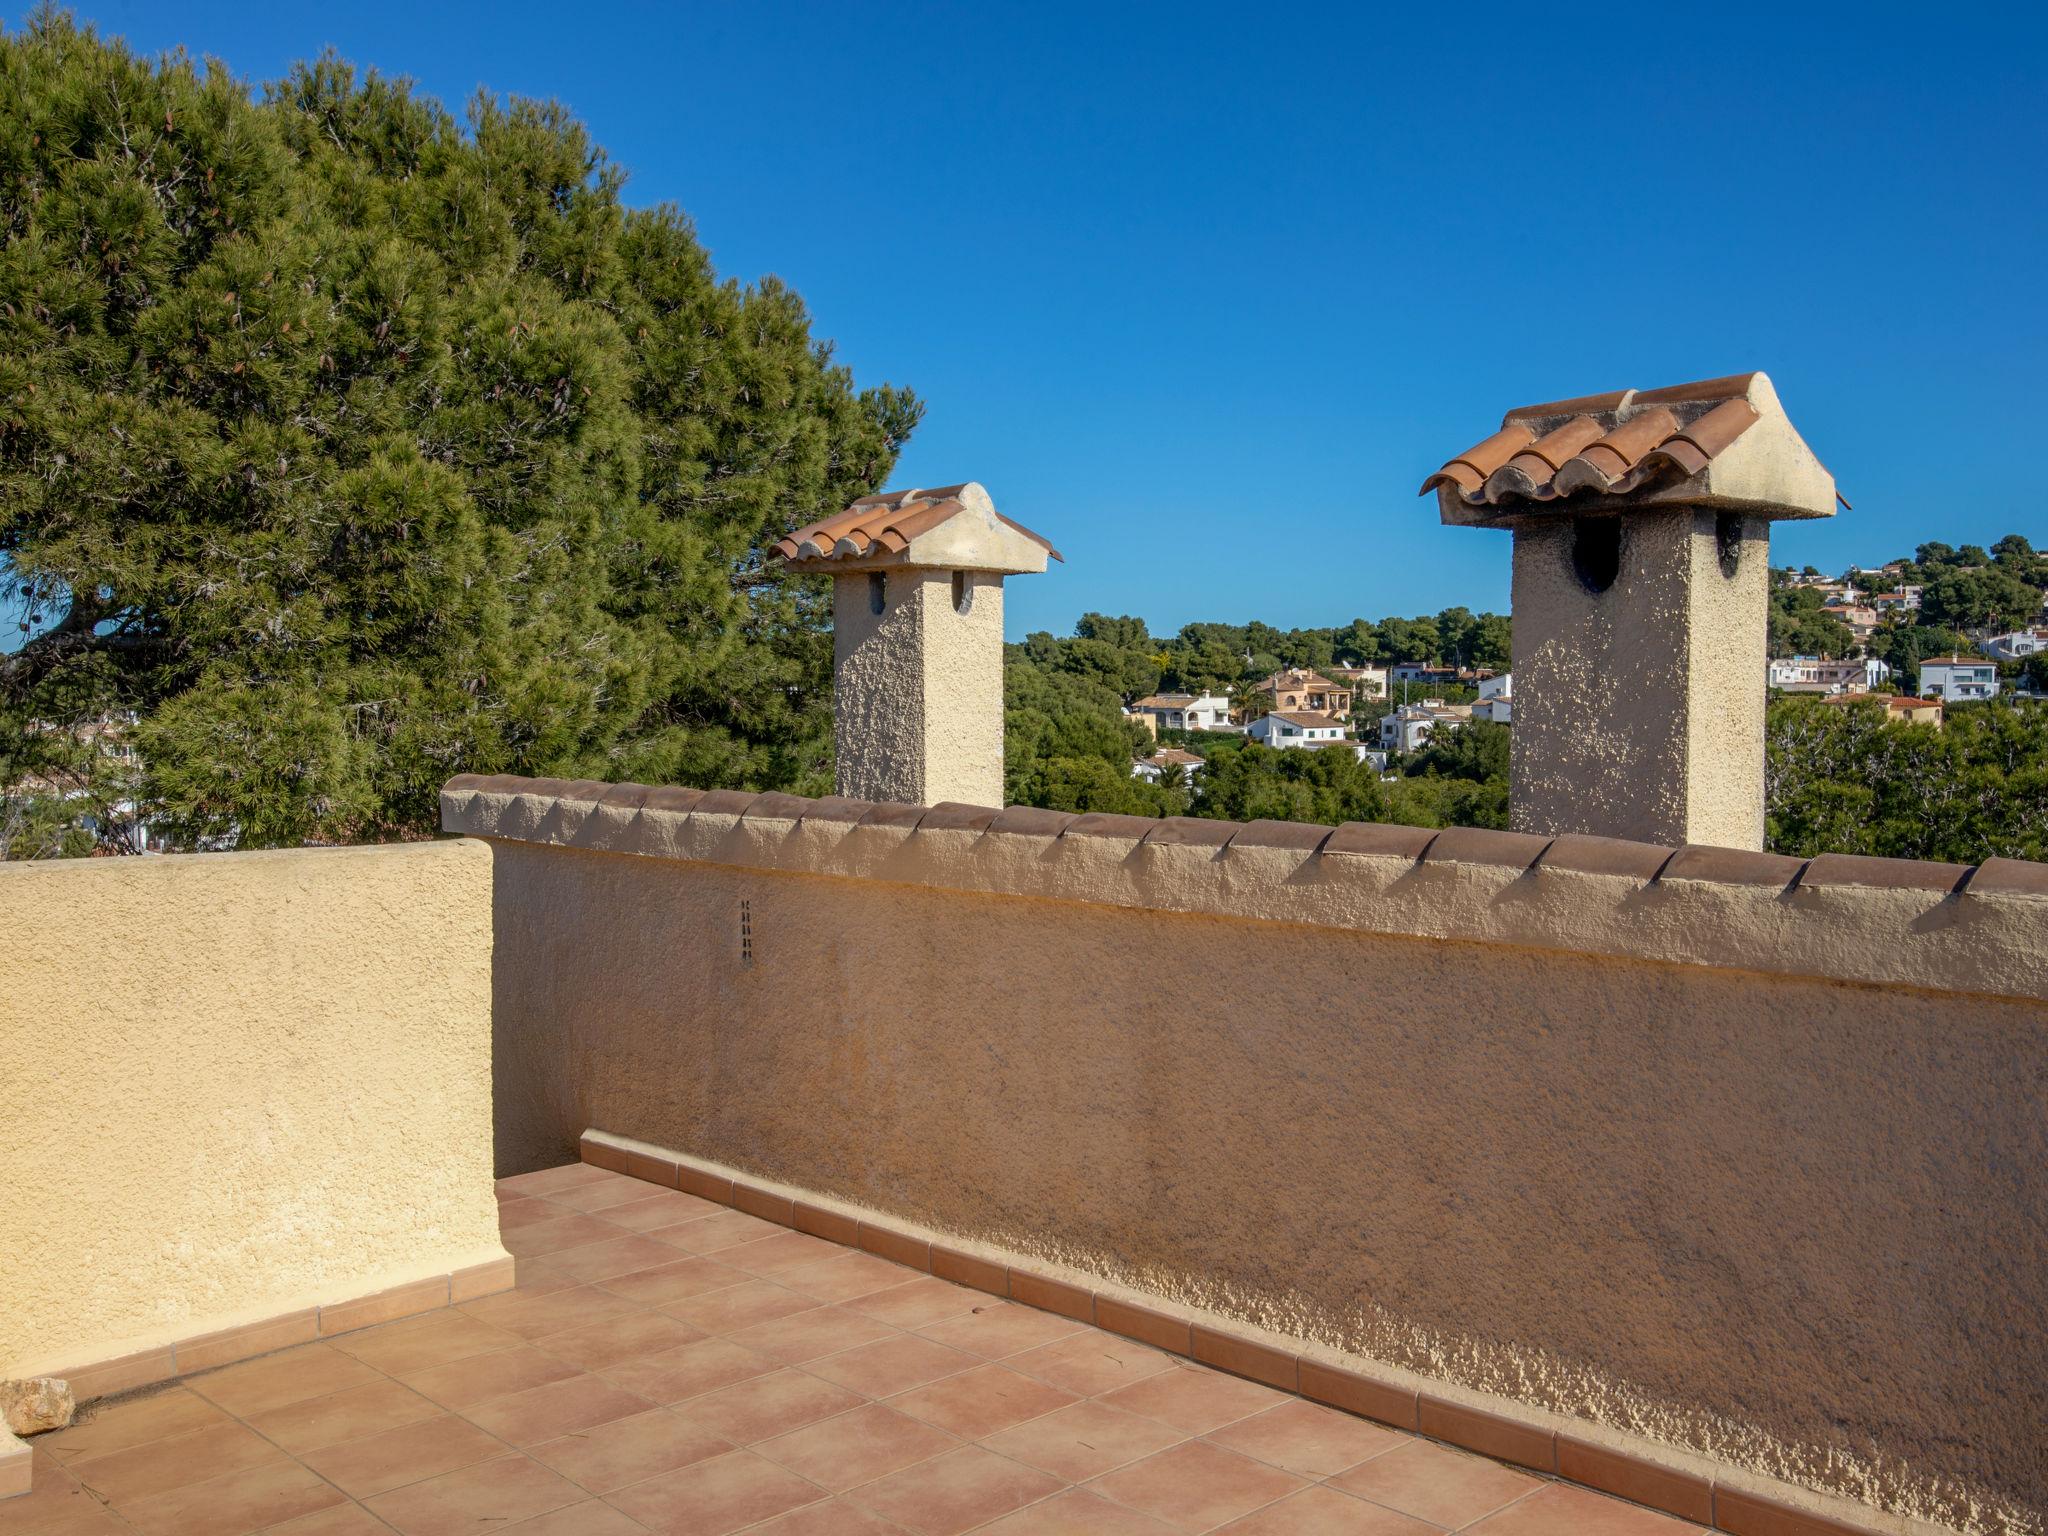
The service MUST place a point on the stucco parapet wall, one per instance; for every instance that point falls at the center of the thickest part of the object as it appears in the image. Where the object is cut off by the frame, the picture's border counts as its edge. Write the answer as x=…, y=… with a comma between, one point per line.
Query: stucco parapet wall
x=1939, y=927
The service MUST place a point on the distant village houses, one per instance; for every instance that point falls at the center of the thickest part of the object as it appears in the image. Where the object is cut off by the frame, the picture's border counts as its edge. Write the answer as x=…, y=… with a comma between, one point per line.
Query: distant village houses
x=1819, y=674
x=1185, y=711
x=1169, y=766
x=2015, y=645
x=1898, y=710
x=1288, y=728
x=1959, y=679
x=1306, y=691
x=1409, y=728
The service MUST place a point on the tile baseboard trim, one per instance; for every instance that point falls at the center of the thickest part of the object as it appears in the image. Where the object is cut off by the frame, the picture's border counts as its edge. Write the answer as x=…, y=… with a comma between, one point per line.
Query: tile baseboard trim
x=1607, y=1460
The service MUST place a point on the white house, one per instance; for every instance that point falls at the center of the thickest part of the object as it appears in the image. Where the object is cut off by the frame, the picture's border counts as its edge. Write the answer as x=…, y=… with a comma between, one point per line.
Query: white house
x=1409, y=728
x=1185, y=711
x=1169, y=765
x=1496, y=699
x=2015, y=645
x=1817, y=674
x=1955, y=679
x=1284, y=728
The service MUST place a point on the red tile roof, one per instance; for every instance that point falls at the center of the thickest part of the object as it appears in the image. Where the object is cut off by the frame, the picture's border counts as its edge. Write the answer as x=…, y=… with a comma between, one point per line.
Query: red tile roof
x=1609, y=444
x=885, y=523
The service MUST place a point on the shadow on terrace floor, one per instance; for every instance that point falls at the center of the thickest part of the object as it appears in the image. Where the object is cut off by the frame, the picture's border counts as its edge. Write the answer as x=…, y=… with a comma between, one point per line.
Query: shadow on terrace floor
x=671, y=1366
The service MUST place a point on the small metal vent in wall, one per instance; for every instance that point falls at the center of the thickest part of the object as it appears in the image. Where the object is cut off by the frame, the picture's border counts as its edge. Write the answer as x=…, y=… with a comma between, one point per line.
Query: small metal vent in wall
x=746, y=931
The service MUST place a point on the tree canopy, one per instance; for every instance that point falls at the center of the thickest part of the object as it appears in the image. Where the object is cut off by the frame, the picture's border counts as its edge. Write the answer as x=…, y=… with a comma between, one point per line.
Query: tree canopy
x=346, y=445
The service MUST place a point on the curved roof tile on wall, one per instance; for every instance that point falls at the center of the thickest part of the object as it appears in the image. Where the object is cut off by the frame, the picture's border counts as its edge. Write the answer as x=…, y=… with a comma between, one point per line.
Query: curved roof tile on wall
x=1609, y=444
x=886, y=522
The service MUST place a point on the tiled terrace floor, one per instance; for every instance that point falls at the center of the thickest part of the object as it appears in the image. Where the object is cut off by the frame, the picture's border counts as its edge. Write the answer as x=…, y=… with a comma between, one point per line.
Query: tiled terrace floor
x=671, y=1366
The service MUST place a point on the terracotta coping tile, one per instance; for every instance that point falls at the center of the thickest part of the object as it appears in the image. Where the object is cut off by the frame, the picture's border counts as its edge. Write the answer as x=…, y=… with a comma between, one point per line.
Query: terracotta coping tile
x=830, y=1225
x=705, y=1186
x=1052, y=1296
x=1701, y=389
x=1490, y=1434
x=467, y=783
x=1383, y=839
x=1604, y=856
x=1684, y=1494
x=626, y=796
x=725, y=802
x=1109, y=824
x=897, y=1247
x=780, y=1209
x=1359, y=1394
x=1883, y=874
x=1030, y=821
x=966, y=1269
x=838, y=808
x=953, y=816
x=672, y=797
x=776, y=806
x=1732, y=866
x=1484, y=845
x=1280, y=834
x=1192, y=831
x=887, y=813
x=2009, y=877
x=588, y=790
x=1744, y=1514
x=1145, y=1325
x=1241, y=1357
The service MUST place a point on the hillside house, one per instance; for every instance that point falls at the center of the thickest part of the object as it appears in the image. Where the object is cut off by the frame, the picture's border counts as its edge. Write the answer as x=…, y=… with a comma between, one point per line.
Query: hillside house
x=1290, y=728
x=1899, y=710
x=2015, y=644
x=1409, y=728
x=1305, y=691
x=1959, y=679
x=1169, y=765
x=1185, y=711
x=1820, y=674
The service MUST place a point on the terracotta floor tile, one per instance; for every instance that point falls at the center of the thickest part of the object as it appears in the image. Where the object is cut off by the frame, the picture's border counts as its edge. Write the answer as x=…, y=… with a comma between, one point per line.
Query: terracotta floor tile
x=956, y=1492
x=739, y=1306
x=808, y=1335
x=602, y=1196
x=417, y=1343
x=460, y=1383
x=1092, y=1362
x=235, y=1503
x=677, y=1281
x=768, y=1406
x=856, y=1447
x=531, y=1317
x=628, y=1336
x=290, y=1376
x=920, y=1302
x=845, y=1277
x=889, y=1366
x=666, y=1208
x=623, y=1255
x=484, y=1497
x=144, y=1471
x=335, y=1520
x=593, y=1517
x=348, y=1415
x=569, y=1229
x=1196, y=1485
x=714, y=1497
x=1326, y=1512
x=409, y=1454
x=1559, y=1509
x=1085, y=1441
x=690, y=1371
x=56, y=1505
x=1435, y=1483
x=1306, y=1439
x=980, y=1402
x=117, y=1426
x=521, y=1211
x=1077, y=1513
x=712, y=1234
x=1194, y=1399
x=546, y=1181
x=559, y=1408
x=608, y=1456
x=780, y=1253
x=995, y=1330
x=834, y=1517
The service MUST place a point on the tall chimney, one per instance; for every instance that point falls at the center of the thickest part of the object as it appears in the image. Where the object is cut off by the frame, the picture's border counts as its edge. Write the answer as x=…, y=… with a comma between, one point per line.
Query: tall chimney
x=1641, y=523
x=917, y=639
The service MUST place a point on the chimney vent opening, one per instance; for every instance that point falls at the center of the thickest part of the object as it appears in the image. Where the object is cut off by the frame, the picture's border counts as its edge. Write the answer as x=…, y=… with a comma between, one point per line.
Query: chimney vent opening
x=878, y=592
x=1596, y=551
x=1728, y=541
x=963, y=592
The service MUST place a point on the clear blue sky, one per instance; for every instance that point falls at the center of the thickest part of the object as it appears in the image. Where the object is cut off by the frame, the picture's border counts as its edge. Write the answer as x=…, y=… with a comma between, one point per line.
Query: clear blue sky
x=1202, y=293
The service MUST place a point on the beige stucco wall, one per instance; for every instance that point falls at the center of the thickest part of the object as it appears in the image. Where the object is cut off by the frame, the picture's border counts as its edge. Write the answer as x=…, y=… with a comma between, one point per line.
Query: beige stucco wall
x=1618, y=1150
x=237, y=1085
x=918, y=689
x=1639, y=711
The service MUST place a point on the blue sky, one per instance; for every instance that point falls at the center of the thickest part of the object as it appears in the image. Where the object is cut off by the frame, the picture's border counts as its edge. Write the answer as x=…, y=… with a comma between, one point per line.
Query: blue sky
x=1203, y=292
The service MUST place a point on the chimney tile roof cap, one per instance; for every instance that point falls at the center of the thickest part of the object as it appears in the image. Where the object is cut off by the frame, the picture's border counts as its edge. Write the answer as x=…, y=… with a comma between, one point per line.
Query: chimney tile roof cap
x=951, y=526
x=1718, y=444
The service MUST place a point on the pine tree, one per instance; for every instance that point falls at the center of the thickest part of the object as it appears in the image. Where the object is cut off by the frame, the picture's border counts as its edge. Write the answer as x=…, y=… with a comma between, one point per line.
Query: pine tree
x=348, y=446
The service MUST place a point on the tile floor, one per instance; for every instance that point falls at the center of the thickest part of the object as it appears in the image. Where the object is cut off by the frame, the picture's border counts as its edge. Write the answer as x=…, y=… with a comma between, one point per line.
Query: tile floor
x=670, y=1366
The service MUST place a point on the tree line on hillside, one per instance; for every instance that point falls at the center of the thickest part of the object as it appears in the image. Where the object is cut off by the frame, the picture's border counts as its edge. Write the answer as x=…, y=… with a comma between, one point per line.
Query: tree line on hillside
x=346, y=444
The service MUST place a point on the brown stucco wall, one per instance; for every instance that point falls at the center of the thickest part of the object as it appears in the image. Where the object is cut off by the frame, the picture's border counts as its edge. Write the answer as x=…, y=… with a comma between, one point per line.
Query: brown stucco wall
x=1623, y=1149
x=236, y=1086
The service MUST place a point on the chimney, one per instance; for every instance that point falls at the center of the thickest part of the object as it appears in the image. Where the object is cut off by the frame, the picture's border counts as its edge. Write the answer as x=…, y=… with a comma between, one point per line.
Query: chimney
x=1641, y=522
x=917, y=639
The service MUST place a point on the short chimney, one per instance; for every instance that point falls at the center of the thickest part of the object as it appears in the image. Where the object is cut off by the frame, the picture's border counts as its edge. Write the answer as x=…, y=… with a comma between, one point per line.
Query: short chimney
x=917, y=643
x=1641, y=522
